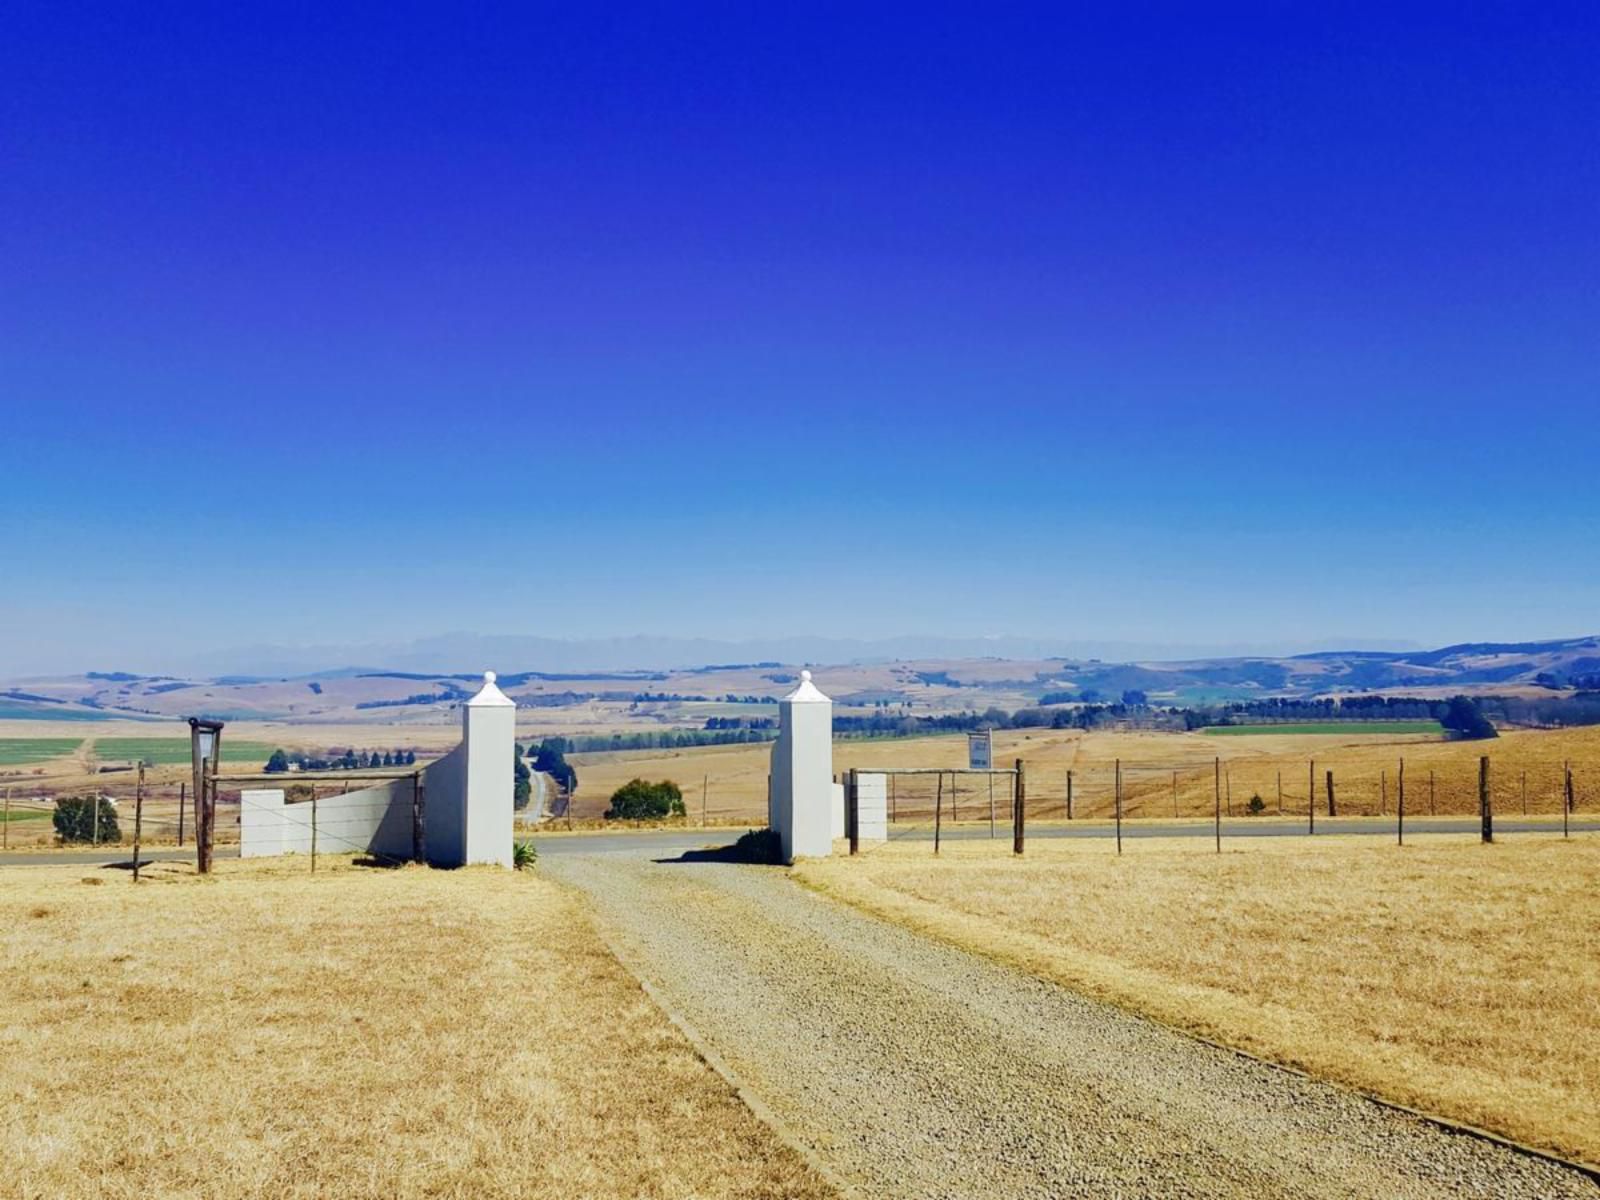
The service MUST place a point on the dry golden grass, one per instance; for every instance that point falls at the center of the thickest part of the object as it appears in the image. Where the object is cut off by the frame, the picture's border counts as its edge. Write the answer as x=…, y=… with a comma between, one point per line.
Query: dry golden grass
x=1363, y=765
x=1460, y=979
x=361, y=1032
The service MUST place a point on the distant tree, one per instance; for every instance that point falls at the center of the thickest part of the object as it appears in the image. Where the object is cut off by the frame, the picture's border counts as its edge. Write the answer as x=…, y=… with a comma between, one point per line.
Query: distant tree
x=277, y=763
x=1134, y=697
x=637, y=800
x=388, y=759
x=74, y=819
x=411, y=757
x=1463, y=716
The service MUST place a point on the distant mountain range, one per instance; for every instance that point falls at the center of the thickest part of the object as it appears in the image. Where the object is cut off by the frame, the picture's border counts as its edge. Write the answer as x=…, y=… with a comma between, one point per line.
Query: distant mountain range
x=459, y=651
x=622, y=680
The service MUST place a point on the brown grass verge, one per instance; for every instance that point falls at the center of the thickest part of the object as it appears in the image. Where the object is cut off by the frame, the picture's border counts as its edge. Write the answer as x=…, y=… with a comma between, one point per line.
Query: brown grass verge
x=362, y=1032
x=1459, y=979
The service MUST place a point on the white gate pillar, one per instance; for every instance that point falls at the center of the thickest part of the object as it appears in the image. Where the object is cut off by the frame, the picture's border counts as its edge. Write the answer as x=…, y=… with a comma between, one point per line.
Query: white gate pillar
x=802, y=772
x=488, y=742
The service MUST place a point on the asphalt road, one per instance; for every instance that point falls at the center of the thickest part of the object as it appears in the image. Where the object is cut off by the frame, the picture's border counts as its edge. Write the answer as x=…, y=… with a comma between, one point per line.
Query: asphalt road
x=675, y=840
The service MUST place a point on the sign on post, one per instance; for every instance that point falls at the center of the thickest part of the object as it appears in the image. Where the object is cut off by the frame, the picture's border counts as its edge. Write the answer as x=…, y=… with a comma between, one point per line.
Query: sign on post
x=980, y=751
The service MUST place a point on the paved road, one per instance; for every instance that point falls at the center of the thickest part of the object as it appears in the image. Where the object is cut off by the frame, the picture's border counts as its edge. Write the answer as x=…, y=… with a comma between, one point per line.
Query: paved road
x=914, y=1069
x=674, y=841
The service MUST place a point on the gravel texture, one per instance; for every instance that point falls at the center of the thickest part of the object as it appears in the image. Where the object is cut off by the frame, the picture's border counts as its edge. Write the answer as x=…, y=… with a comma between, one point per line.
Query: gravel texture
x=913, y=1069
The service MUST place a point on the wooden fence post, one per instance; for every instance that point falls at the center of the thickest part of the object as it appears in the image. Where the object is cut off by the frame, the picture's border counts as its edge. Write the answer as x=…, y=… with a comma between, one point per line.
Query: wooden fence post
x=1485, y=807
x=1566, y=806
x=1119, y=806
x=5, y=830
x=938, y=810
x=313, y=829
x=1022, y=810
x=1219, y=824
x=1311, y=796
x=138, y=819
x=1069, y=793
x=852, y=811
x=183, y=789
x=1400, y=828
x=416, y=815
x=1332, y=811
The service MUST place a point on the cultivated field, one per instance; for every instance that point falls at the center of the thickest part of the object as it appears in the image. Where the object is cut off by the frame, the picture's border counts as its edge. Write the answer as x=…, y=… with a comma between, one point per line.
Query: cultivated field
x=1461, y=979
x=401, y=1033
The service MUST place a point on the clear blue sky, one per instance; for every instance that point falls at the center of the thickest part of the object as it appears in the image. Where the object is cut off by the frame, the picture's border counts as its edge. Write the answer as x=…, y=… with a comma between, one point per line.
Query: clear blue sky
x=1199, y=323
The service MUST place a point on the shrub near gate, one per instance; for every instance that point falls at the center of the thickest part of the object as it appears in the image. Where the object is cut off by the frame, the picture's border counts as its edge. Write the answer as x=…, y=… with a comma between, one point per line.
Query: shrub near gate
x=637, y=800
x=74, y=819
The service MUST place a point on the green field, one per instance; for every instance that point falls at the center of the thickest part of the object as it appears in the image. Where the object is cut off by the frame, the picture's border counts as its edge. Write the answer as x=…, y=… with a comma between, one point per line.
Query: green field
x=1329, y=727
x=165, y=751
x=21, y=751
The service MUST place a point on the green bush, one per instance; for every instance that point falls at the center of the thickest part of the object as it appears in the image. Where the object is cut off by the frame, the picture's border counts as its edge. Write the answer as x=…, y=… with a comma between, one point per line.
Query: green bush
x=523, y=855
x=1256, y=807
x=637, y=800
x=74, y=819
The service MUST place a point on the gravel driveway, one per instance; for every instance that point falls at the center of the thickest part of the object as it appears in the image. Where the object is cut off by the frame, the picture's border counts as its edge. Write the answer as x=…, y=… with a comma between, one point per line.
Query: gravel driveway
x=915, y=1069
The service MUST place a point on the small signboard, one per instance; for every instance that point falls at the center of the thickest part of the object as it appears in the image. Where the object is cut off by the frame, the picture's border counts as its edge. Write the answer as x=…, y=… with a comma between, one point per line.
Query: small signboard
x=980, y=751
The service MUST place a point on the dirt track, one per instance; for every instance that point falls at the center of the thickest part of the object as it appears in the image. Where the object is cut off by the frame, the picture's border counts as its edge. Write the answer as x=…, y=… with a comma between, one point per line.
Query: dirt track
x=914, y=1069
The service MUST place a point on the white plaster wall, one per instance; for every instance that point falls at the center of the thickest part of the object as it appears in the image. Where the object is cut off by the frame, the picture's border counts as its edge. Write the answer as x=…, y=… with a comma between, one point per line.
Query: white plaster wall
x=373, y=820
x=443, y=810
x=836, y=810
x=466, y=803
x=872, y=807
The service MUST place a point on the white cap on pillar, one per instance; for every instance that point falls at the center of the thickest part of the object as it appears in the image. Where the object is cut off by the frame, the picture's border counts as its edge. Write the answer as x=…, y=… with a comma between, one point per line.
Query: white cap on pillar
x=807, y=692
x=491, y=695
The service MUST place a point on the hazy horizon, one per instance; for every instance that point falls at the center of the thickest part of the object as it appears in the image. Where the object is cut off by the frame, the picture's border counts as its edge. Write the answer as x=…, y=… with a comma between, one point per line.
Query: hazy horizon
x=510, y=653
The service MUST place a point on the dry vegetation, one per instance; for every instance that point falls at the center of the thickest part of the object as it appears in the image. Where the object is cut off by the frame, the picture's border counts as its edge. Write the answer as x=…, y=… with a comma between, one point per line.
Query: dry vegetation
x=1460, y=979
x=735, y=777
x=400, y=1033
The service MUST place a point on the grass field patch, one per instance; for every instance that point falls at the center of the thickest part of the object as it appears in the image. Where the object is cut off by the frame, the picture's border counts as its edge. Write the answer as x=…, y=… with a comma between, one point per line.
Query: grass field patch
x=16, y=752
x=1458, y=978
x=361, y=1032
x=169, y=751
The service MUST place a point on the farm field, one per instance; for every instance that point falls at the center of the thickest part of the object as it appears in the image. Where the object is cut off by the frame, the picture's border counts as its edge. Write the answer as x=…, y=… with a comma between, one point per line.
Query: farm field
x=406, y=1033
x=168, y=751
x=24, y=750
x=1452, y=977
x=1326, y=728
x=1164, y=774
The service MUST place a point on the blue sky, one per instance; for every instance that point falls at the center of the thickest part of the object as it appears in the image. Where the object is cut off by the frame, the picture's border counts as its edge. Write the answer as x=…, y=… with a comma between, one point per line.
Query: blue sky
x=1168, y=324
